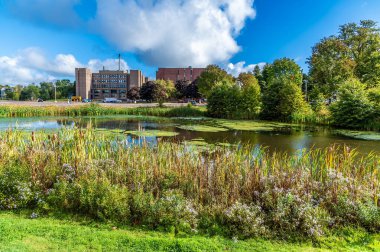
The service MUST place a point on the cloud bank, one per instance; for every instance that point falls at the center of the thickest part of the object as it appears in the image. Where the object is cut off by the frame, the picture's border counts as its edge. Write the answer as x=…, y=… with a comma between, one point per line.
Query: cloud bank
x=31, y=65
x=164, y=33
x=240, y=67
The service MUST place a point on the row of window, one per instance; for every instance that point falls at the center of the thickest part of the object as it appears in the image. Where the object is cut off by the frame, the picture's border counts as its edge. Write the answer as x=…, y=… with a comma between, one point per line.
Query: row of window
x=106, y=76
x=107, y=91
x=109, y=86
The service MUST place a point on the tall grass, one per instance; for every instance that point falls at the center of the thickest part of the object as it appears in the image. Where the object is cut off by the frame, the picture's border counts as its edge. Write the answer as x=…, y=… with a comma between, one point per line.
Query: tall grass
x=242, y=191
x=97, y=110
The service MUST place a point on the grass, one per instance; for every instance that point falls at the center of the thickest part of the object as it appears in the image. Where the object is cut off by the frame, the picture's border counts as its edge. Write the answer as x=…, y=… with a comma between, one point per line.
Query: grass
x=97, y=110
x=19, y=233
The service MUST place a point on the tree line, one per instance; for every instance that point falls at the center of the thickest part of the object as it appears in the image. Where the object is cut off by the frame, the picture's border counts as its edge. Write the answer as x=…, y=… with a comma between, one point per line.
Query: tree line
x=61, y=89
x=342, y=86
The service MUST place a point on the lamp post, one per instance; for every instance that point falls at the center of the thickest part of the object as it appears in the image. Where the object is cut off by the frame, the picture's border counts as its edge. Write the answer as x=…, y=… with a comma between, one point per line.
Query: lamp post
x=55, y=91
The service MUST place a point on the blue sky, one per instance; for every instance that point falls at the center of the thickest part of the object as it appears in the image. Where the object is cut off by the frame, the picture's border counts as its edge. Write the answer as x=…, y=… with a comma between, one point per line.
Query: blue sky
x=44, y=41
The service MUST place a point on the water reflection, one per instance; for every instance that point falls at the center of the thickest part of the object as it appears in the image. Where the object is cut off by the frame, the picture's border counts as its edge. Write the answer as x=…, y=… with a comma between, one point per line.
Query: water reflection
x=287, y=139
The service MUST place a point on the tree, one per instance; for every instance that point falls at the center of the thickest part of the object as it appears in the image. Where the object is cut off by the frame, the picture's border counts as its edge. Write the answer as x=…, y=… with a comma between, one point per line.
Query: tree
x=363, y=40
x=353, y=108
x=163, y=91
x=31, y=92
x=283, y=69
x=133, y=93
x=181, y=87
x=283, y=99
x=65, y=88
x=159, y=90
x=236, y=101
x=353, y=53
x=330, y=65
x=46, y=91
x=147, y=91
x=192, y=90
x=212, y=77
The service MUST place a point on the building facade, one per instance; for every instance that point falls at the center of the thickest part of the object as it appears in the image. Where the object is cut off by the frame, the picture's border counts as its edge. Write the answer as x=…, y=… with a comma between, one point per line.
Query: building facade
x=175, y=74
x=106, y=83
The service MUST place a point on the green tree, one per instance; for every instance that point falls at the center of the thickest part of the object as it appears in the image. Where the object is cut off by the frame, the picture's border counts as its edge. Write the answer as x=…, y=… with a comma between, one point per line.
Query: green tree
x=283, y=69
x=363, y=40
x=242, y=101
x=283, y=99
x=46, y=91
x=353, y=108
x=30, y=92
x=212, y=77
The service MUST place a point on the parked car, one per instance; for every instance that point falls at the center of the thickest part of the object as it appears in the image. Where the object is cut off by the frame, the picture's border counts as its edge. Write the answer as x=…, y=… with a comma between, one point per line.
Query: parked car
x=40, y=100
x=86, y=100
x=112, y=100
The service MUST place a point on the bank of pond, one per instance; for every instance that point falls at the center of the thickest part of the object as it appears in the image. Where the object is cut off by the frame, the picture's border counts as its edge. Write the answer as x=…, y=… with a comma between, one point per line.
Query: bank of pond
x=207, y=132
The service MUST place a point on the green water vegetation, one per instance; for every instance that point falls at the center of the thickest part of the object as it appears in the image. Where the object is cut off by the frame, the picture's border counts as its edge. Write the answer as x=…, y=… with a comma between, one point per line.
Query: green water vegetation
x=253, y=125
x=20, y=232
x=364, y=135
x=151, y=133
x=202, y=128
x=237, y=192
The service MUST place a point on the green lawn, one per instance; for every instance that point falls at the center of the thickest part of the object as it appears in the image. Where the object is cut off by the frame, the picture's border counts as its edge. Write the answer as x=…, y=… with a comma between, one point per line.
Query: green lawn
x=19, y=233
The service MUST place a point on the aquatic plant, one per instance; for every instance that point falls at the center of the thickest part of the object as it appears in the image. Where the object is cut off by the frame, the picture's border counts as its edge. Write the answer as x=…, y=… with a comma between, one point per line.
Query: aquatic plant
x=99, y=175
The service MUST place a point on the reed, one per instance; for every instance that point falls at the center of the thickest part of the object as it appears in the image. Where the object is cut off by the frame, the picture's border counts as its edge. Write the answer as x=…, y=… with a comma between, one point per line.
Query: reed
x=97, y=110
x=83, y=171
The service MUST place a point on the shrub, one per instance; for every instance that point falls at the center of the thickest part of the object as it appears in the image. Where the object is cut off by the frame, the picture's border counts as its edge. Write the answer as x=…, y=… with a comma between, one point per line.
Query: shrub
x=234, y=102
x=15, y=192
x=244, y=221
x=353, y=108
x=282, y=99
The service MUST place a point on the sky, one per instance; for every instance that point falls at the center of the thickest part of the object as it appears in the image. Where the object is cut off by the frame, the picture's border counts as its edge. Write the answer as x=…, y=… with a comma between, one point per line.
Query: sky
x=44, y=40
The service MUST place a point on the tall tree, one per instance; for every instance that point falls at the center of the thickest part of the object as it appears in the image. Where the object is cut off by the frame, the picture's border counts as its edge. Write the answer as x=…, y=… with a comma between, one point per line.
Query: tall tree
x=212, y=77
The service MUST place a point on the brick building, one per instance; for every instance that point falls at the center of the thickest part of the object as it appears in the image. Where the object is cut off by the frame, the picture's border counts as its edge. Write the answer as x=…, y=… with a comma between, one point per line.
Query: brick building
x=107, y=83
x=175, y=74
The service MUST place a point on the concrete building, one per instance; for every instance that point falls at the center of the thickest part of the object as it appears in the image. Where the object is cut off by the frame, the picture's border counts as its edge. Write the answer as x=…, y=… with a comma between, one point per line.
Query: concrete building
x=175, y=74
x=106, y=83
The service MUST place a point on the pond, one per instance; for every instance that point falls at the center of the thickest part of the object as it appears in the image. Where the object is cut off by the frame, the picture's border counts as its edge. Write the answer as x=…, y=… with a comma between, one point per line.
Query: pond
x=203, y=131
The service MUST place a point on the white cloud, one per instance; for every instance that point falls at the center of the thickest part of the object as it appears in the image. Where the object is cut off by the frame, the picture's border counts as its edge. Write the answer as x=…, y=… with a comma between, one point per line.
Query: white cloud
x=31, y=65
x=108, y=64
x=164, y=33
x=174, y=32
x=240, y=67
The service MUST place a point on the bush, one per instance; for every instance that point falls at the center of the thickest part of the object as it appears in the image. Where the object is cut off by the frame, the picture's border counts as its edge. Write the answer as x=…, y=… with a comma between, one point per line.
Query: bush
x=234, y=102
x=283, y=99
x=15, y=192
x=353, y=108
x=244, y=221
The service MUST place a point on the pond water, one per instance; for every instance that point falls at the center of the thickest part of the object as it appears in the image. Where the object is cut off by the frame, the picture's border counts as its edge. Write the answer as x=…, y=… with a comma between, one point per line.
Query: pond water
x=201, y=131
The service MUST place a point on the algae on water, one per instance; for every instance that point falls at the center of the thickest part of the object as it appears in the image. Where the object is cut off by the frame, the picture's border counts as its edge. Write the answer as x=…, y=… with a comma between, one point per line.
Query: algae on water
x=363, y=135
x=152, y=133
x=202, y=128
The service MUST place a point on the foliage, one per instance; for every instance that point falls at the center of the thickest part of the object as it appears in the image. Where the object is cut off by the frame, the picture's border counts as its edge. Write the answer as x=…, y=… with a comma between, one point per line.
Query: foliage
x=235, y=102
x=283, y=69
x=283, y=99
x=353, y=53
x=133, y=93
x=97, y=110
x=330, y=65
x=212, y=77
x=353, y=108
x=169, y=187
x=159, y=90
